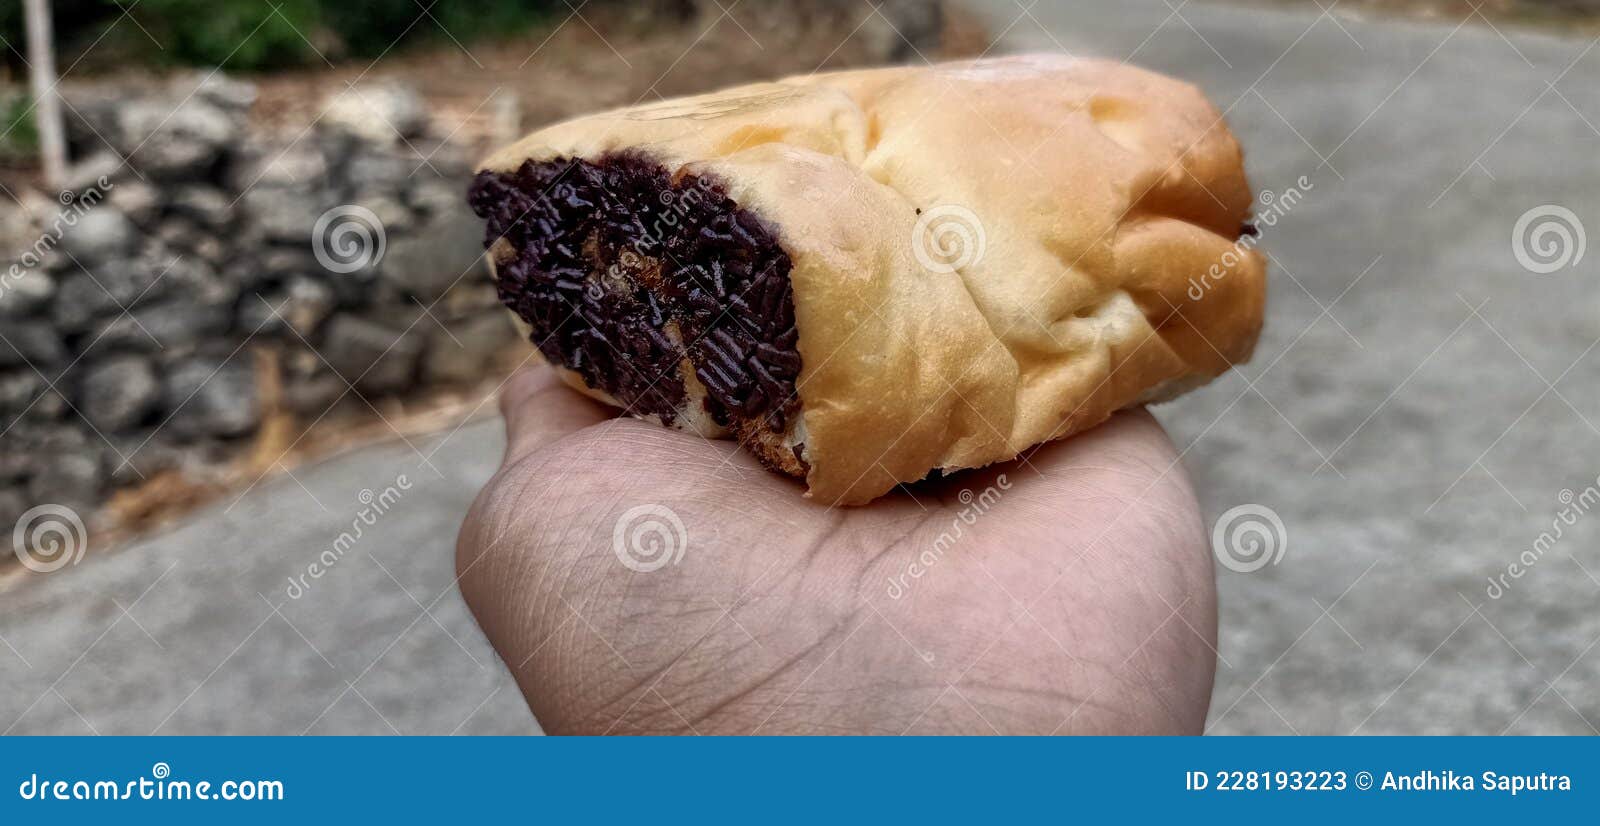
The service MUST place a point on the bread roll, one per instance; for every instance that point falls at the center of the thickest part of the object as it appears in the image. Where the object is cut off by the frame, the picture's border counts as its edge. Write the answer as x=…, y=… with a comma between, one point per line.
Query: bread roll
x=870, y=276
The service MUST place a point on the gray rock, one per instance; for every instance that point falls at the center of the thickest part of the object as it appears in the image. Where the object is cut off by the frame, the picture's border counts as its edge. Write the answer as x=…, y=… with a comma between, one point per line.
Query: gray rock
x=429, y=260
x=32, y=445
x=101, y=234
x=375, y=173
x=191, y=278
x=89, y=172
x=25, y=293
x=915, y=27
x=312, y=396
x=206, y=205
x=260, y=314
x=179, y=142
x=109, y=288
x=118, y=393
x=288, y=163
x=358, y=290
x=17, y=233
x=284, y=214
x=72, y=479
x=145, y=453
x=216, y=89
x=171, y=327
x=382, y=111
x=138, y=200
x=13, y=504
x=446, y=158
x=16, y=465
x=432, y=195
x=17, y=390
x=47, y=438
x=393, y=215
x=25, y=397
x=105, y=289
x=80, y=299
x=91, y=114
x=464, y=351
x=29, y=445
x=33, y=343
x=286, y=262
x=188, y=237
x=376, y=358
x=48, y=407
x=176, y=232
x=242, y=267
x=210, y=397
x=301, y=305
x=210, y=249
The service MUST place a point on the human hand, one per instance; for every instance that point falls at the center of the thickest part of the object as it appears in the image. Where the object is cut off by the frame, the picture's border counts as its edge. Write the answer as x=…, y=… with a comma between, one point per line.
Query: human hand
x=1071, y=593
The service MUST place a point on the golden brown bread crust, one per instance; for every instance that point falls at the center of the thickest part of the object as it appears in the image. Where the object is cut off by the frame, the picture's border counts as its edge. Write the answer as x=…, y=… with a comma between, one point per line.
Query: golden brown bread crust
x=1093, y=199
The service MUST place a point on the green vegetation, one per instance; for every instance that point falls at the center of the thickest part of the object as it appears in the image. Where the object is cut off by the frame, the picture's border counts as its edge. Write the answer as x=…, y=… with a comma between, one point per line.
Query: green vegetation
x=254, y=34
x=18, y=139
x=370, y=27
x=234, y=34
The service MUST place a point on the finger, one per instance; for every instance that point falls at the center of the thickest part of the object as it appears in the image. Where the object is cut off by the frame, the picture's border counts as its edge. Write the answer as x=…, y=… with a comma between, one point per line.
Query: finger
x=539, y=408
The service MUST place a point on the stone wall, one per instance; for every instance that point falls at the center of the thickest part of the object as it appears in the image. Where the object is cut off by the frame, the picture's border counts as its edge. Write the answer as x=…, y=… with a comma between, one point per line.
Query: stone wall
x=203, y=279
x=194, y=265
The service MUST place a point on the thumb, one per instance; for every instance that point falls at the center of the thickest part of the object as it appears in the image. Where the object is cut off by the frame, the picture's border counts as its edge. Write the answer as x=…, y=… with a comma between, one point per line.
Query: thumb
x=540, y=408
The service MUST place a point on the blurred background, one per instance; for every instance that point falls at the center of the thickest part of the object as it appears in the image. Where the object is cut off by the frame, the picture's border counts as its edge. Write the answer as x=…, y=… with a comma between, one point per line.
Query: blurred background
x=246, y=333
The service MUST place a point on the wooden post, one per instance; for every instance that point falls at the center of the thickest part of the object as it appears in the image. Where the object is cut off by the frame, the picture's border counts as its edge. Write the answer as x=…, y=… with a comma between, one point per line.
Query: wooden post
x=46, y=105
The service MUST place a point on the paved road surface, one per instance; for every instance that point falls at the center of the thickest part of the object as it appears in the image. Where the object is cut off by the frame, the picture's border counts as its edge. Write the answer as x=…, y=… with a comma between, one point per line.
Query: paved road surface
x=1418, y=405
x=1419, y=400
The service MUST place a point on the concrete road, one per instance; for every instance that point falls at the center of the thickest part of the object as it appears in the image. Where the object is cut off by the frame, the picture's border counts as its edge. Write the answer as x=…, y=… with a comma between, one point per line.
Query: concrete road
x=1422, y=408
x=201, y=631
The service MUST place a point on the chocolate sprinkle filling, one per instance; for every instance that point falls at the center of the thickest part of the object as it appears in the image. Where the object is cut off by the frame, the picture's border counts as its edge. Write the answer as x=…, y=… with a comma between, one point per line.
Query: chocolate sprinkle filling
x=623, y=271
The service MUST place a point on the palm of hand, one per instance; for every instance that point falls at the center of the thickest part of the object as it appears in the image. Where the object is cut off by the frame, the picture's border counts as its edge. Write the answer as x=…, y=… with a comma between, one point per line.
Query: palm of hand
x=1072, y=593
